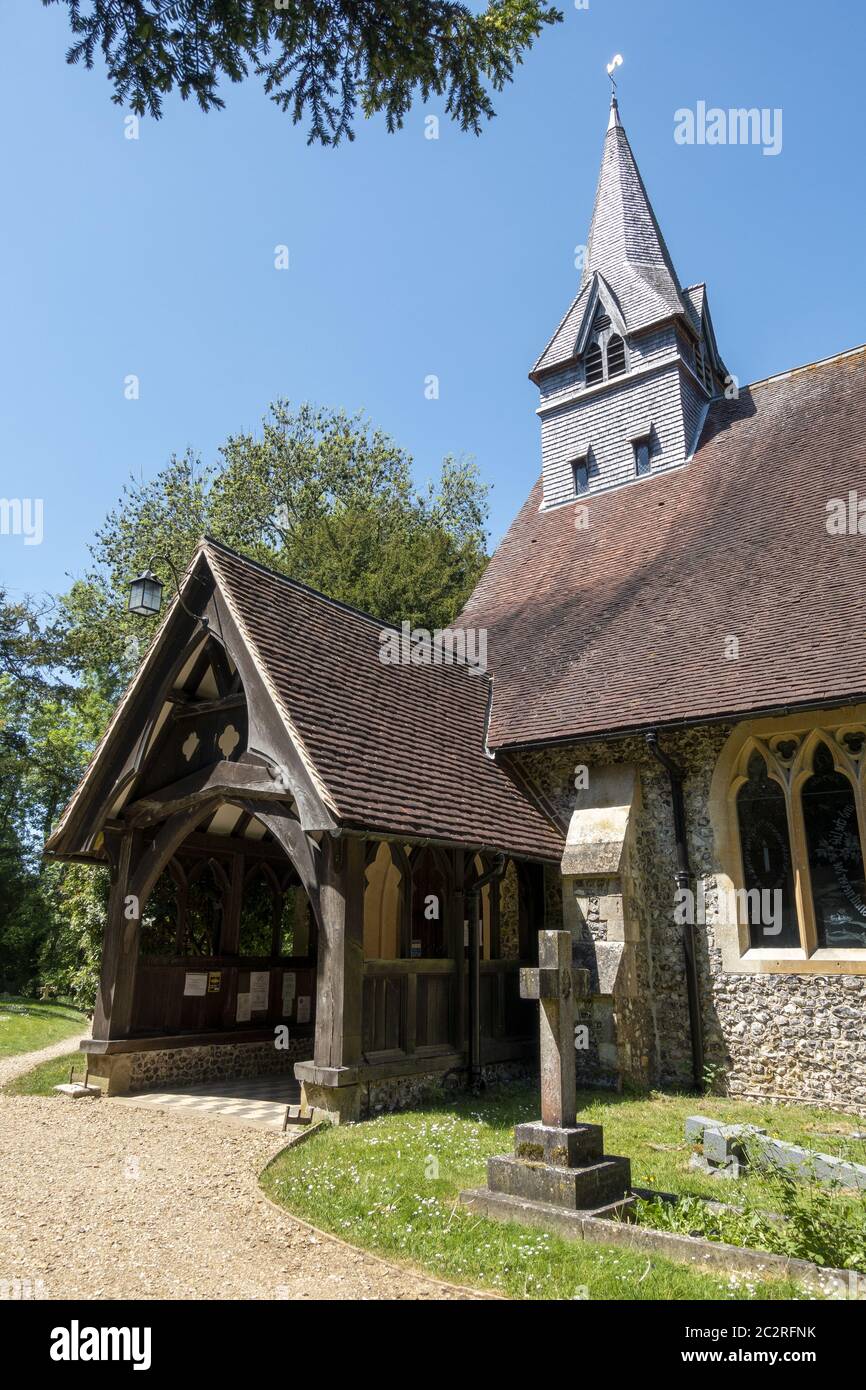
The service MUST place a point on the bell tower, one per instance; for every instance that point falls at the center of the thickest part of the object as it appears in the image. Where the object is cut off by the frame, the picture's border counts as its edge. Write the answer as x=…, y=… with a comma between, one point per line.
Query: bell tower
x=628, y=376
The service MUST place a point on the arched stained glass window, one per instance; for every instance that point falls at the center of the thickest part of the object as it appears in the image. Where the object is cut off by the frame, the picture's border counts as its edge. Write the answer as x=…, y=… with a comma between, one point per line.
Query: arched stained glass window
x=835, y=854
x=769, y=905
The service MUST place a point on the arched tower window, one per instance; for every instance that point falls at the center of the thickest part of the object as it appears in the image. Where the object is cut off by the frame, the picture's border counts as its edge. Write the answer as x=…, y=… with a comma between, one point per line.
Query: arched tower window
x=593, y=365
x=615, y=356
x=702, y=366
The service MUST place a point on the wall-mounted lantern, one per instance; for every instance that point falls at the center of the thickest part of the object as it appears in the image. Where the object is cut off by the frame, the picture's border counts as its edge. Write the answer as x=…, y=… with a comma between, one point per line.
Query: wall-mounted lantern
x=145, y=592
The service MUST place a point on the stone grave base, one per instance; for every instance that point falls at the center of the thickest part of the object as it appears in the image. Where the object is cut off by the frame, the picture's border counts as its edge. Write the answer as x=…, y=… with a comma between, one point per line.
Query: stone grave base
x=562, y=1221
x=560, y=1169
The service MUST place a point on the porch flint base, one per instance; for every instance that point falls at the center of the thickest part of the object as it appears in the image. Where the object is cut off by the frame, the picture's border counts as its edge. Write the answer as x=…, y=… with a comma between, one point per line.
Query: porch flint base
x=142, y=1068
x=562, y=1166
x=345, y=1095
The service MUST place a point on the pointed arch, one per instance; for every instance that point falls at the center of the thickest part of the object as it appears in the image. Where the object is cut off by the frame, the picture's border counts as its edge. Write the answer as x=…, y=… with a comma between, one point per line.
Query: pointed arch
x=835, y=850
x=384, y=898
x=616, y=363
x=765, y=856
x=593, y=365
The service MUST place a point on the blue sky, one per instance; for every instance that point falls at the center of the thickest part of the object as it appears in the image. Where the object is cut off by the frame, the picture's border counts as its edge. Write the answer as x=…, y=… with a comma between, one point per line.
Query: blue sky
x=408, y=256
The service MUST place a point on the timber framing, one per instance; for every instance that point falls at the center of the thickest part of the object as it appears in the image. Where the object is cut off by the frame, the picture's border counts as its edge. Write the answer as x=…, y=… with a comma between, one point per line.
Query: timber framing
x=263, y=752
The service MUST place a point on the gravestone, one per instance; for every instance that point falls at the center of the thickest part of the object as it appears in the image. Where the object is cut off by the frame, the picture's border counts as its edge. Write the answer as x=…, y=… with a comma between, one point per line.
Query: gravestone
x=728, y=1151
x=556, y=1162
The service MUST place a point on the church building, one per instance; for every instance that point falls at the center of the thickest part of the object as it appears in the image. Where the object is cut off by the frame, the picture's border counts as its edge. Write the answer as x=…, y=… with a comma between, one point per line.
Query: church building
x=329, y=863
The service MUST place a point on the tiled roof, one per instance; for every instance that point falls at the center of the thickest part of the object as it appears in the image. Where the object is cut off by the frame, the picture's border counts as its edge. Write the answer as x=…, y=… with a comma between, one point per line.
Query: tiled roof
x=399, y=748
x=625, y=624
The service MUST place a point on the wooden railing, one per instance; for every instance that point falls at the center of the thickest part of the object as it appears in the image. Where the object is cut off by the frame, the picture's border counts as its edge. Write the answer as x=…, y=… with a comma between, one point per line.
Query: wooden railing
x=410, y=1006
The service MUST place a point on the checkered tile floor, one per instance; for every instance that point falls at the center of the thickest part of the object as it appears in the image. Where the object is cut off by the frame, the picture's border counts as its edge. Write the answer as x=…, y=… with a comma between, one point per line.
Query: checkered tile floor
x=252, y=1100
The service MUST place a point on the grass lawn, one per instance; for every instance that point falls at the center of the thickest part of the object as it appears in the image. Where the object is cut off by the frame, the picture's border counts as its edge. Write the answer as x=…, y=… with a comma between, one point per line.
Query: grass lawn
x=29, y=1024
x=41, y=1080
x=391, y=1185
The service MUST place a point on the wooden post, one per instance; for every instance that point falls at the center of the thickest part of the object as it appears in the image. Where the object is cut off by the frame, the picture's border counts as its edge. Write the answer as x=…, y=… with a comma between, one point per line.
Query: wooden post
x=231, y=928
x=340, y=976
x=458, y=952
x=474, y=905
x=112, y=1017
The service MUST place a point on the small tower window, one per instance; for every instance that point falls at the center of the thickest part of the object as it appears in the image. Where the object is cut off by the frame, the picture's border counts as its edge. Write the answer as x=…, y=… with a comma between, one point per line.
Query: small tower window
x=581, y=475
x=642, y=457
x=593, y=365
x=702, y=367
x=708, y=376
x=615, y=356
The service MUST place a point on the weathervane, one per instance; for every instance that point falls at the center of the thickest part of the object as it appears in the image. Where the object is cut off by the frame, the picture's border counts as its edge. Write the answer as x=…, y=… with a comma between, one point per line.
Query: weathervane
x=615, y=62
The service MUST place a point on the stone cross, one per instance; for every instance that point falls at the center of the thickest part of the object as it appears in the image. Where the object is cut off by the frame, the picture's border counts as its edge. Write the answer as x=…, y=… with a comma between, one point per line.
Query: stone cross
x=555, y=983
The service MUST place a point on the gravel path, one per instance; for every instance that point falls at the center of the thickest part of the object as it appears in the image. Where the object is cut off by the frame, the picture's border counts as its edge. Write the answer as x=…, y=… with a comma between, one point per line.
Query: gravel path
x=11, y=1067
x=100, y=1200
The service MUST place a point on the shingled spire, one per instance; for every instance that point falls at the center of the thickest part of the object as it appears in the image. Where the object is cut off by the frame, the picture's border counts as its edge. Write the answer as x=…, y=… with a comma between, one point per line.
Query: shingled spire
x=625, y=243
x=627, y=376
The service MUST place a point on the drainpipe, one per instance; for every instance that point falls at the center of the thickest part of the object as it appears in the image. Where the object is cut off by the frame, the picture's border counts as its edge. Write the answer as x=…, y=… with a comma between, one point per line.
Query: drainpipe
x=682, y=878
x=473, y=893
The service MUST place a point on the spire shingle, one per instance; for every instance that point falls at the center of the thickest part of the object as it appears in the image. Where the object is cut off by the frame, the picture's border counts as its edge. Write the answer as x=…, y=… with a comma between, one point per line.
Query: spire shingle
x=625, y=246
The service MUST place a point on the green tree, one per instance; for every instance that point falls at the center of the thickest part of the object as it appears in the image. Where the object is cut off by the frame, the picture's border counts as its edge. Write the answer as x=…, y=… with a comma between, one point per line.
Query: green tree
x=166, y=515
x=69, y=950
x=318, y=494
x=321, y=60
x=330, y=501
x=37, y=772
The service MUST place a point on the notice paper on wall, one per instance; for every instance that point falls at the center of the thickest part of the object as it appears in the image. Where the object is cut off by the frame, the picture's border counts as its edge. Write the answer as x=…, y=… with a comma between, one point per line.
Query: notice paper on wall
x=289, y=983
x=260, y=981
x=195, y=982
x=243, y=1010
x=303, y=1008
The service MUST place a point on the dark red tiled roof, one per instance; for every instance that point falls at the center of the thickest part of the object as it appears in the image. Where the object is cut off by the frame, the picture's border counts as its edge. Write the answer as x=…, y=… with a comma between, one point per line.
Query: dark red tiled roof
x=625, y=624
x=399, y=748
